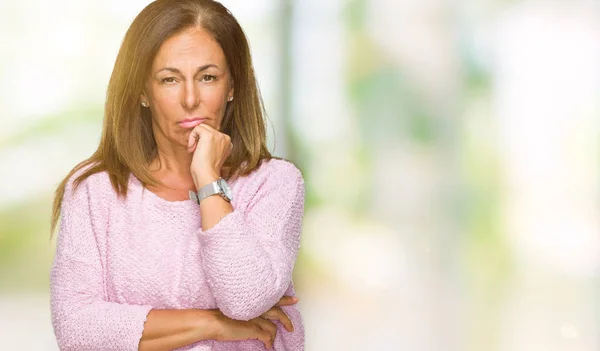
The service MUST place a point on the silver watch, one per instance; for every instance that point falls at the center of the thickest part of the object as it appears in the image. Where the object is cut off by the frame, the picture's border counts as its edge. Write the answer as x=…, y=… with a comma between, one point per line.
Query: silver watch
x=219, y=186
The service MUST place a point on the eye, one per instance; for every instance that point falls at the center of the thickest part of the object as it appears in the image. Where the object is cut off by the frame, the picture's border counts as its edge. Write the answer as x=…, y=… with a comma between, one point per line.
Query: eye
x=208, y=78
x=168, y=80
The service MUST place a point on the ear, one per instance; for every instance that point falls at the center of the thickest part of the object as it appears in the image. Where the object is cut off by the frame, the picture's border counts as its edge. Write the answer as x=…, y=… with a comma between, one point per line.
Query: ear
x=231, y=90
x=143, y=97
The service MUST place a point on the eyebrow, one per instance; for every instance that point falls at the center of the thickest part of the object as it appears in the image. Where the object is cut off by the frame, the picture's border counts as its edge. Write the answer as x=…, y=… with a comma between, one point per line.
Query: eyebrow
x=175, y=70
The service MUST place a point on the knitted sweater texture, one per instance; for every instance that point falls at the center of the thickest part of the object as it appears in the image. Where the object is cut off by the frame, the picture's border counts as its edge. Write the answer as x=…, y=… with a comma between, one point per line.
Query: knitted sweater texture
x=117, y=258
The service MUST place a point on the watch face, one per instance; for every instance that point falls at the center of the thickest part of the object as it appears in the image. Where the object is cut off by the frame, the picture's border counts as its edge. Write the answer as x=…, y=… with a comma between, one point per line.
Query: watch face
x=225, y=188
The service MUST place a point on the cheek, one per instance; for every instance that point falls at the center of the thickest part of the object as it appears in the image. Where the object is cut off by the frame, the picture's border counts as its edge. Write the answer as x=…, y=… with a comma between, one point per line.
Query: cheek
x=166, y=98
x=163, y=104
x=215, y=103
x=215, y=98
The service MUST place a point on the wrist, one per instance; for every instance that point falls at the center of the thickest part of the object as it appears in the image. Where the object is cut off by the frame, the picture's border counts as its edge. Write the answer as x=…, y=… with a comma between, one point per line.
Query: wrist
x=208, y=324
x=205, y=178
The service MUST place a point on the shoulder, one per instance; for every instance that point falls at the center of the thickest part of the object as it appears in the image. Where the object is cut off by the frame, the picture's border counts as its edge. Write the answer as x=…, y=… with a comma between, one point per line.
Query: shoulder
x=280, y=169
x=94, y=186
x=278, y=173
x=276, y=177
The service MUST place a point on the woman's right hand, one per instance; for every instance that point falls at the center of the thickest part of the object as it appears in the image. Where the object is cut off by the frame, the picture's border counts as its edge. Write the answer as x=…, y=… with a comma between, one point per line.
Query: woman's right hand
x=261, y=328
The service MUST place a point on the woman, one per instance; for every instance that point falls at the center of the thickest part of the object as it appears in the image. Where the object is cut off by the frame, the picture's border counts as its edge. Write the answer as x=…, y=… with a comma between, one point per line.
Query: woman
x=181, y=231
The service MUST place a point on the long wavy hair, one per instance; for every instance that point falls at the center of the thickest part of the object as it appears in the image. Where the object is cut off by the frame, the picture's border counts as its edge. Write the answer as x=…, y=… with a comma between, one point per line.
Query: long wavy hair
x=127, y=144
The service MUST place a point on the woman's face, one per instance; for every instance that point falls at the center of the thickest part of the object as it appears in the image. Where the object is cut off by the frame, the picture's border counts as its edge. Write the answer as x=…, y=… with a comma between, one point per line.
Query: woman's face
x=189, y=84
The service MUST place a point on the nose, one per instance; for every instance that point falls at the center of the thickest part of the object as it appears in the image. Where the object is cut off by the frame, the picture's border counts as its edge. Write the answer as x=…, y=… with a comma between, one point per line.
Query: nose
x=191, y=95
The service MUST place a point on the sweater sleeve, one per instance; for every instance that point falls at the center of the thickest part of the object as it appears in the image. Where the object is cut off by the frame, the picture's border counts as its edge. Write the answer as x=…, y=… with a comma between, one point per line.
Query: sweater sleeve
x=81, y=317
x=249, y=255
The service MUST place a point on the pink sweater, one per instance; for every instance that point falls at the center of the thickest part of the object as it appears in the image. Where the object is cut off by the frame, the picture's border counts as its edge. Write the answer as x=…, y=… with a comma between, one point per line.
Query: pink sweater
x=116, y=259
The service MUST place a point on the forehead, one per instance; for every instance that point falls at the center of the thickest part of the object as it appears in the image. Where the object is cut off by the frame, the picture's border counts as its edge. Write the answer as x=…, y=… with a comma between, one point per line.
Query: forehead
x=191, y=48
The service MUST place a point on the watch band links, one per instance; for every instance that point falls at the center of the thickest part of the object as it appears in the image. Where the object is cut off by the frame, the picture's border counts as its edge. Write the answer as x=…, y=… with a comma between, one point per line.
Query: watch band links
x=209, y=189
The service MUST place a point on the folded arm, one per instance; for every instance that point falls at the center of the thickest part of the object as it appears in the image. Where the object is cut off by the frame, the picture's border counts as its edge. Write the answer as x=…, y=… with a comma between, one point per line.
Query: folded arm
x=249, y=255
x=82, y=318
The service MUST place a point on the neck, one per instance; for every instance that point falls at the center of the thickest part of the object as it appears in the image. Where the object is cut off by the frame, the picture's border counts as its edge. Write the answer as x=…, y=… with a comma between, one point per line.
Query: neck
x=172, y=161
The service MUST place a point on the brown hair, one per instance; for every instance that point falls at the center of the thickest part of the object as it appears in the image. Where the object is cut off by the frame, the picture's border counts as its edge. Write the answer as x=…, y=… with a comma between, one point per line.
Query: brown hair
x=127, y=144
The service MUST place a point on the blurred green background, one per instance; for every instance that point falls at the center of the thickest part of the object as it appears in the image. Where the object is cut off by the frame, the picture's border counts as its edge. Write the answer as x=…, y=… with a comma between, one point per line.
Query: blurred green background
x=450, y=151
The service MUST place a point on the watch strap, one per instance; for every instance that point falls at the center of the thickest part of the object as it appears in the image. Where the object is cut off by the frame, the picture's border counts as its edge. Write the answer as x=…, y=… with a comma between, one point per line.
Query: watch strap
x=209, y=189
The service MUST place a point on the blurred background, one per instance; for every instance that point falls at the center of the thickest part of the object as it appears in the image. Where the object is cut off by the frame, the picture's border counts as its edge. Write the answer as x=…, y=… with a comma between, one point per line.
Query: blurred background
x=450, y=151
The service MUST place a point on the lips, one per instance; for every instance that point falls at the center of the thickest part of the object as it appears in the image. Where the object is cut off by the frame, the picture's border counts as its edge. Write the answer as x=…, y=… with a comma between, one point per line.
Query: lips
x=191, y=122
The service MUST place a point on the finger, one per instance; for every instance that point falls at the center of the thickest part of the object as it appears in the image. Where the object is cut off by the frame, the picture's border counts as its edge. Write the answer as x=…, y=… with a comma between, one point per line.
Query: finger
x=276, y=313
x=193, y=138
x=217, y=135
x=287, y=322
x=198, y=132
x=262, y=336
x=215, y=131
x=261, y=333
x=268, y=327
x=210, y=131
x=287, y=300
x=266, y=339
x=207, y=127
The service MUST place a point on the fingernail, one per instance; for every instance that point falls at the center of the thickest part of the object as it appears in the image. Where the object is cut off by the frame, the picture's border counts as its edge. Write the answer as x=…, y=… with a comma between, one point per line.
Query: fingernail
x=295, y=299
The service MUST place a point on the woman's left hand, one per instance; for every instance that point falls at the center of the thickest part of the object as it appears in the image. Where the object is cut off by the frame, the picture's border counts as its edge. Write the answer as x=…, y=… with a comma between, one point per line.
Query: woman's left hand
x=211, y=148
